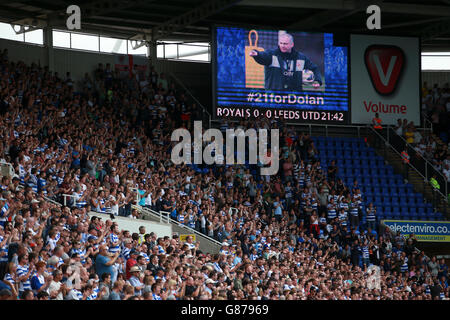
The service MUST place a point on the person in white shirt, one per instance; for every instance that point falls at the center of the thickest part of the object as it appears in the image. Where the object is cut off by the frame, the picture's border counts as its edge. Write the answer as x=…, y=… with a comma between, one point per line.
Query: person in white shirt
x=114, y=202
x=446, y=172
x=148, y=200
x=56, y=288
x=417, y=136
x=398, y=128
x=135, y=281
x=189, y=242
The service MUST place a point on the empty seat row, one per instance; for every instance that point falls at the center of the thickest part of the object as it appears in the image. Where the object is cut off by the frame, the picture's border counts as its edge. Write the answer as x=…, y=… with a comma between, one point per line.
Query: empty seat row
x=411, y=216
x=377, y=181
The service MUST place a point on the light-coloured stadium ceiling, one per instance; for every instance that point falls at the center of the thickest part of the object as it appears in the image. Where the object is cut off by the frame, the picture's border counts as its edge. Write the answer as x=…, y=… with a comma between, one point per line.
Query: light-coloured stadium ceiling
x=191, y=20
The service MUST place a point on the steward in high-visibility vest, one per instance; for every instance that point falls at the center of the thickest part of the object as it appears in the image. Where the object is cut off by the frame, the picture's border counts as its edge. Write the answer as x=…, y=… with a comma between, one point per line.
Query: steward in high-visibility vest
x=377, y=122
x=405, y=157
x=434, y=183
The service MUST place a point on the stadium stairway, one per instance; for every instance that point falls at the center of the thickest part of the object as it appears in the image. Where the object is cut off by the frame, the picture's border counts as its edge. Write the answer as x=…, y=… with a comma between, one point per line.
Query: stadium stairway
x=420, y=185
x=378, y=181
x=207, y=244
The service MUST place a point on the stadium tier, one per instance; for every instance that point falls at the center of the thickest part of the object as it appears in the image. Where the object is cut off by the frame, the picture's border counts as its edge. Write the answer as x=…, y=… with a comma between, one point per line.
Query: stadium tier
x=296, y=219
x=388, y=191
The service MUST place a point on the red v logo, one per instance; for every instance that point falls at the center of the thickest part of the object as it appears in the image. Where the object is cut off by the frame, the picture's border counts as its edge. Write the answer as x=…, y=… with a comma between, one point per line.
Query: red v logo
x=384, y=64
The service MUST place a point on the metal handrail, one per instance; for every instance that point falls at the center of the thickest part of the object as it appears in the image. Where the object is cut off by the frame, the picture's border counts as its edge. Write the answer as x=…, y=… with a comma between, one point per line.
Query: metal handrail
x=180, y=83
x=324, y=125
x=409, y=164
x=426, y=161
x=310, y=125
x=11, y=168
x=389, y=145
x=52, y=201
x=138, y=196
x=148, y=211
x=166, y=214
x=425, y=121
x=170, y=220
x=71, y=196
x=20, y=186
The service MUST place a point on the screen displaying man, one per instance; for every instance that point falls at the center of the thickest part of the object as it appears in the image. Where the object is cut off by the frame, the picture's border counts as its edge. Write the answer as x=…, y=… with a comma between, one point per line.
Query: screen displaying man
x=284, y=66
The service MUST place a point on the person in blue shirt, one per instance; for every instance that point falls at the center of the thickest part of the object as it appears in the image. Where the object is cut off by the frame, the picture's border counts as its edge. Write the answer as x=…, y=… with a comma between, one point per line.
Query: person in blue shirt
x=443, y=269
x=104, y=262
x=278, y=209
x=38, y=281
x=116, y=290
x=142, y=195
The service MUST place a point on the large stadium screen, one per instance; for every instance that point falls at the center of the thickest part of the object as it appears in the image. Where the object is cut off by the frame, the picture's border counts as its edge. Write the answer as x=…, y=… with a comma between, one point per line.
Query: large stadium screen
x=274, y=74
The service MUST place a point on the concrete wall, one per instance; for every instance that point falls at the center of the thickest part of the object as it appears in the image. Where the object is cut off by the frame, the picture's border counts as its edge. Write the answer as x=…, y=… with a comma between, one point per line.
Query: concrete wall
x=76, y=62
x=206, y=244
x=28, y=53
x=194, y=75
x=132, y=225
x=441, y=78
x=79, y=62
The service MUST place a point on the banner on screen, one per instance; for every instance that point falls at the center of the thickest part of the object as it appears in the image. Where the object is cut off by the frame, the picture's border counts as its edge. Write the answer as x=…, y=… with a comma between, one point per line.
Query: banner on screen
x=385, y=73
x=274, y=74
x=430, y=231
x=183, y=237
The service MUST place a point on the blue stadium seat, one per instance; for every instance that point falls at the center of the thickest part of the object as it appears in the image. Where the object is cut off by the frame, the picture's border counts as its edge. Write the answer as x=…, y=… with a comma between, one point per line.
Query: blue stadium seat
x=396, y=214
x=401, y=192
x=346, y=156
x=404, y=211
x=412, y=209
x=382, y=173
x=420, y=204
x=395, y=202
x=385, y=193
x=431, y=215
x=403, y=203
x=355, y=154
x=422, y=215
x=413, y=215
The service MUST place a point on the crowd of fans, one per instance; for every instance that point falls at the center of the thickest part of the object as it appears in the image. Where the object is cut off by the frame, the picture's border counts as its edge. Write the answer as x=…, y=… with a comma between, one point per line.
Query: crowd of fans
x=425, y=143
x=301, y=234
x=436, y=107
